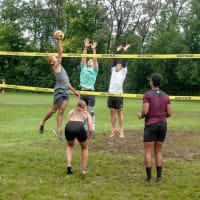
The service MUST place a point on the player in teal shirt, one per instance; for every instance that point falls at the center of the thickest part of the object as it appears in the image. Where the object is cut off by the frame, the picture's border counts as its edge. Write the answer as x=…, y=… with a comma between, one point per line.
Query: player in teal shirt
x=89, y=71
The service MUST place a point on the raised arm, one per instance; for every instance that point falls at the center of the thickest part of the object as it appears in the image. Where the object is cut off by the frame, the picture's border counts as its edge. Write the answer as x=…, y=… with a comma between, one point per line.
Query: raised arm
x=93, y=46
x=59, y=49
x=124, y=61
x=86, y=45
x=117, y=52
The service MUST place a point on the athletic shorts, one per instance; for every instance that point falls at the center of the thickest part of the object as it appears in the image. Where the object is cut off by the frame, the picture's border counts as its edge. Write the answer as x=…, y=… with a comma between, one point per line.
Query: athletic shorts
x=155, y=132
x=60, y=95
x=115, y=102
x=75, y=129
x=89, y=99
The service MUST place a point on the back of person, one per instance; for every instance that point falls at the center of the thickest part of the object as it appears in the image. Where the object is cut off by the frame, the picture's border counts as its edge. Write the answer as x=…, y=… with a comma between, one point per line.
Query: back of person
x=158, y=106
x=77, y=115
x=77, y=123
x=75, y=129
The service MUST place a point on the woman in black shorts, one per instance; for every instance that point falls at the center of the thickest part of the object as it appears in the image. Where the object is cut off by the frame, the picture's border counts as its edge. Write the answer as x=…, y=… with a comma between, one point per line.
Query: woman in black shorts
x=155, y=109
x=78, y=126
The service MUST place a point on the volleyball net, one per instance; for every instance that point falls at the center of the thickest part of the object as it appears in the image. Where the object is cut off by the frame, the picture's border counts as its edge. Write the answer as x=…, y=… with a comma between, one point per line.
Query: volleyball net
x=128, y=56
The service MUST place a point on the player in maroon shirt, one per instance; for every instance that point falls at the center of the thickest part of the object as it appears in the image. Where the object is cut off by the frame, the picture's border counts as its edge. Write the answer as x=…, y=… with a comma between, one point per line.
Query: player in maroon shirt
x=156, y=108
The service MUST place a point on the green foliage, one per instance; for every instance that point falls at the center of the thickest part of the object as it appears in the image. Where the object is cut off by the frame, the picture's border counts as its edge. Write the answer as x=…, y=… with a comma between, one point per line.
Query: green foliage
x=190, y=69
x=10, y=38
x=168, y=28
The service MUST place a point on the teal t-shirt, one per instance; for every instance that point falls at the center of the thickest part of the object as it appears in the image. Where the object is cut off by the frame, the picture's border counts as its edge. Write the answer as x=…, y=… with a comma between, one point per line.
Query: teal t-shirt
x=88, y=77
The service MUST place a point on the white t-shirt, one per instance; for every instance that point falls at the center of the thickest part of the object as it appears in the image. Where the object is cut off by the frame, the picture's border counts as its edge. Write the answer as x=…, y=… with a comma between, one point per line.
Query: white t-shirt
x=117, y=80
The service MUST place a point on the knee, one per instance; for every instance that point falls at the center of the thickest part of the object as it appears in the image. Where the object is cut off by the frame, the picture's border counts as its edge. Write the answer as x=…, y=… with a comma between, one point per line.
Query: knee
x=70, y=144
x=61, y=111
x=84, y=147
x=119, y=111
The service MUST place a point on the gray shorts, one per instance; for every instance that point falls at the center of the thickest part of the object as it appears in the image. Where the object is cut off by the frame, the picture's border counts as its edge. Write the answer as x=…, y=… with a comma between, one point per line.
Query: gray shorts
x=60, y=95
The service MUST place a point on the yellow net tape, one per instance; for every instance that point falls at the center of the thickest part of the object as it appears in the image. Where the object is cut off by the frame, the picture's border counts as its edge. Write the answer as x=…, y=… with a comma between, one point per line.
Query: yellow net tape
x=133, y=56
x=38, y=89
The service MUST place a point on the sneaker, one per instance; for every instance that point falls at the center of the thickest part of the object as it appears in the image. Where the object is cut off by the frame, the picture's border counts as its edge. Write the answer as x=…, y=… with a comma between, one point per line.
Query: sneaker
x=58, y=134
x=121, y=135
x=159, y=179
x=69, y=170
x=41, y=129
x=84, y=171
x=147, y=181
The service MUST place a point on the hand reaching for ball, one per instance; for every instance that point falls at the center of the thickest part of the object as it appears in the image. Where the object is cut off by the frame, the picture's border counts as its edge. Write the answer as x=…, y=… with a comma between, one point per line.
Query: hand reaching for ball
x=58, y=35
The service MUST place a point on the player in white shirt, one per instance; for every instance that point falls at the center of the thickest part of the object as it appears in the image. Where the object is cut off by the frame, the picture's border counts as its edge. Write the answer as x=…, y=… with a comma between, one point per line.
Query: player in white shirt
x=115, y=104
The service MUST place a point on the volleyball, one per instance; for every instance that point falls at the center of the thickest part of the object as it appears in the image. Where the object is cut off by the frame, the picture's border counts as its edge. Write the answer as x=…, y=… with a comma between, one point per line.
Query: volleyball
x=59, y=35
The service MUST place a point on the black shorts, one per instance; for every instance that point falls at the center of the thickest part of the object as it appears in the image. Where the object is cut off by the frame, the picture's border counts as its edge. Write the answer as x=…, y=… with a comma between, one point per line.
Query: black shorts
x=89, y=99
x=115, y=102
x=75, y=129
x=155, y=132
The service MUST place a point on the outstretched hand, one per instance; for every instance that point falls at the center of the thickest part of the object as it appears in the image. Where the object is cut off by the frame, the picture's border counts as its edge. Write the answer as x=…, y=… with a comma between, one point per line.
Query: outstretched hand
x=77, y=94
x=119, y=48
x=93, y=45
x=139, y=115
x=126, y=47
x=86, y=43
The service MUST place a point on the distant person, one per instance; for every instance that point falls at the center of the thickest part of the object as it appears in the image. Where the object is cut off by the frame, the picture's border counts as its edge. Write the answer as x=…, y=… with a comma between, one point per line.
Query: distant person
x=61, y=89
x=115, y=104
x=156, y=108
x=2, y=89
x=77, y=121
x=89, y=71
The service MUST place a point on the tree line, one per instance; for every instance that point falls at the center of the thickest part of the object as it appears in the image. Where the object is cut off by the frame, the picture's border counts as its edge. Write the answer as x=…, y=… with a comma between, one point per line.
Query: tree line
x=150, y=27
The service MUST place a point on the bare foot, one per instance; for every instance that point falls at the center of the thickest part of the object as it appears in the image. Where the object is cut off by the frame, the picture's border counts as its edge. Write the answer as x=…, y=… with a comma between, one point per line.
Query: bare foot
x=121, y=133
x=113, y=133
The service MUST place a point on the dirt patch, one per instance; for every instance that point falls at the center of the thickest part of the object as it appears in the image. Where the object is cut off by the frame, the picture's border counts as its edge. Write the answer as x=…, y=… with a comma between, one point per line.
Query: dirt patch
x=177, y=145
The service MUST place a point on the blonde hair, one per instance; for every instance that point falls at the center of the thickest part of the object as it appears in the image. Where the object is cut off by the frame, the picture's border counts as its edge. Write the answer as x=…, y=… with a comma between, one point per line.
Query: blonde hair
x=81, y=104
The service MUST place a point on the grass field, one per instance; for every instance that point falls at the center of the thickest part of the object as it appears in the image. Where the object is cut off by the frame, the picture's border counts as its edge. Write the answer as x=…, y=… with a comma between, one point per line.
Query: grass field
x=32, y=166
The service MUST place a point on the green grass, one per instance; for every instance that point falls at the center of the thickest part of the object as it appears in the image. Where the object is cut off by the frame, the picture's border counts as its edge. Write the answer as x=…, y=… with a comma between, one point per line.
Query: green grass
x=32, y=166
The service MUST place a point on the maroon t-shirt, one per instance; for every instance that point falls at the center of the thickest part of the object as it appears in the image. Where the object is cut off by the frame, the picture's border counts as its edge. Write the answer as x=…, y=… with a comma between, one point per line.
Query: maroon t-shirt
x=158, y=101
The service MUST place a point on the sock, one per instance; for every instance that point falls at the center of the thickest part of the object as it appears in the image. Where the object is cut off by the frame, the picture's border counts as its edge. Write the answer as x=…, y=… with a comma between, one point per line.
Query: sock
x=159, y=171
x=148, y=172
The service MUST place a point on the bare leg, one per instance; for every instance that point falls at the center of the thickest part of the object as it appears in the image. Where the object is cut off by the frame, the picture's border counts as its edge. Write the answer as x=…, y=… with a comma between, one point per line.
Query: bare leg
x=158, y=153
x=84, y=154
x=158, y=159
x=69, y=151
x=60, y=115
x=53, y=109
x=121, y=120
x=113, y=121
x=148, y=150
